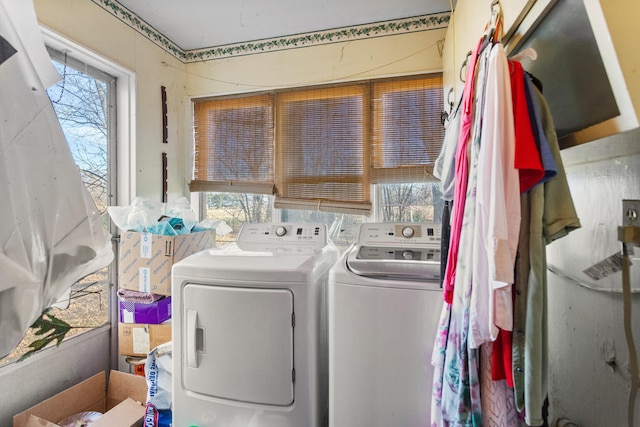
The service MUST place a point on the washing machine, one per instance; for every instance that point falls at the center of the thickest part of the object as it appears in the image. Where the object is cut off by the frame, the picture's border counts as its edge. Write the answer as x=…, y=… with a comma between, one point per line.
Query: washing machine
x=249, y=330
x=384, y=304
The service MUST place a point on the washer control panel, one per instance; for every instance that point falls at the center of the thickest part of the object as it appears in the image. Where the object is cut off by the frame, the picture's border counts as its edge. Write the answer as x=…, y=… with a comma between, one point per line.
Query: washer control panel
x=401, y=253
x=400, y=234
x=405, y=251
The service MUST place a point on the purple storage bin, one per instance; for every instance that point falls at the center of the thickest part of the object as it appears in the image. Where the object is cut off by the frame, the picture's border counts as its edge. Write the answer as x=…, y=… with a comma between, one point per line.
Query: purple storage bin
x=154, y=313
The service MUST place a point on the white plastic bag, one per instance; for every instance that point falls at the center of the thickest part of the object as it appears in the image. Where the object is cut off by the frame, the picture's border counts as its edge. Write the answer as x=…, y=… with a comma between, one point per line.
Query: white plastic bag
x=144, y=215
x=139, y=216
x=51, y=234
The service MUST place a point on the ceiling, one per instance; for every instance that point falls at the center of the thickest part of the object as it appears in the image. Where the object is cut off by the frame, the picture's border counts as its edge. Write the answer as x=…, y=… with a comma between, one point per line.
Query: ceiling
x=199, y=24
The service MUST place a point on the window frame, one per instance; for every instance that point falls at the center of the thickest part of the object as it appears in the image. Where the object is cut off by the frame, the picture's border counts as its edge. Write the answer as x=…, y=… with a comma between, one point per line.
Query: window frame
x=123, y=191
x=124, y=170
x=64, y=57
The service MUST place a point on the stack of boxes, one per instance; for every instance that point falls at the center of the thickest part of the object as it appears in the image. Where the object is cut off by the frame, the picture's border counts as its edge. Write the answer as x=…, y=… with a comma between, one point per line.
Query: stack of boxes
x=145, y=269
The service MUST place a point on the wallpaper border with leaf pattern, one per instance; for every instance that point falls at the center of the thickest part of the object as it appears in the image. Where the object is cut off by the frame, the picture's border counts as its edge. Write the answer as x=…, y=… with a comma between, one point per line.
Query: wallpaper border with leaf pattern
x=379, y=29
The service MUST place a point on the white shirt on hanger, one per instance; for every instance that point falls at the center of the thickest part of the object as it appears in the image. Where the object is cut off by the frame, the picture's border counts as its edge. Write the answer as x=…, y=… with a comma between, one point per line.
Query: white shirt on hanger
x=497, y=208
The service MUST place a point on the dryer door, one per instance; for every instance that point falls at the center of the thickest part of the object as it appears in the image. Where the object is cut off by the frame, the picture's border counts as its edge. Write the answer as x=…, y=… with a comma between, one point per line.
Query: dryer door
x=238, y=343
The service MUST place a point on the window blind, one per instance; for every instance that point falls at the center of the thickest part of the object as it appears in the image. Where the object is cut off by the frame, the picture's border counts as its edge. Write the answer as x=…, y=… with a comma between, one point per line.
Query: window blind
x=320, y=148
x=322, y=154
x=234, y=145
x=407, y=132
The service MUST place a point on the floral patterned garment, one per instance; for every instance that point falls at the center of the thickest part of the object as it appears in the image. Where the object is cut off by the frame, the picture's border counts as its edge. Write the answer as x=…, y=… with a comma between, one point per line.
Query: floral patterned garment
x=456, y=385
x=460, y=404
x=456, y=390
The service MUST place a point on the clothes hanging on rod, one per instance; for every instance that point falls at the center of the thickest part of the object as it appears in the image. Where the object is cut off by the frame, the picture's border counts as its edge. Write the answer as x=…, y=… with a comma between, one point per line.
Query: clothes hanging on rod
x=509, y=198
x=552, y=216
x=458, y=394
x=460, y=176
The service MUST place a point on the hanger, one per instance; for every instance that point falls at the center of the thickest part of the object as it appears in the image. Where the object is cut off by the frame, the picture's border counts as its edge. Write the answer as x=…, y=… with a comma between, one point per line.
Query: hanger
x=528, y=53
x=494, y=26
x=493, y=32
x=444, y=116
x=463, y=66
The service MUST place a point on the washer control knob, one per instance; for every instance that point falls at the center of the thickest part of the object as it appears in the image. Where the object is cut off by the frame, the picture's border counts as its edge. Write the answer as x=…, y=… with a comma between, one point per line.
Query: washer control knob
x=281, y=231
x=408, y=232
x=407, y=255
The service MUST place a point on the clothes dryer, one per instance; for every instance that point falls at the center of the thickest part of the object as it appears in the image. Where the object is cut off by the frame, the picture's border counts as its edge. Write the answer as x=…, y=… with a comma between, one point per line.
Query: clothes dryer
x=384, y=306
x=249, y=330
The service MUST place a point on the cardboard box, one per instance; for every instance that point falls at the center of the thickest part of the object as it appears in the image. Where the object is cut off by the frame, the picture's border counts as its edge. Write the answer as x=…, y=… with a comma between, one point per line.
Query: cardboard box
x=155, y=312
x=122, y=402
x=137, y=339
x=146, y=259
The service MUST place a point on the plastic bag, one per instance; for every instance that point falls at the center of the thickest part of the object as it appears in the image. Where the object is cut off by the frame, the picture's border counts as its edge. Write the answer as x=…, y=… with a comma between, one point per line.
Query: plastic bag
x=139, y=216
x=221, y=227
x=157, y=371
x=51, y=233
x=169, y=219
x=181, y=208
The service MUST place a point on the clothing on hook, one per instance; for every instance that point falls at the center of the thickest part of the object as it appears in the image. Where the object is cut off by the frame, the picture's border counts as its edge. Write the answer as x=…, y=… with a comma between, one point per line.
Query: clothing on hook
x=548, y=164
x=527, y=155
x=461, y=175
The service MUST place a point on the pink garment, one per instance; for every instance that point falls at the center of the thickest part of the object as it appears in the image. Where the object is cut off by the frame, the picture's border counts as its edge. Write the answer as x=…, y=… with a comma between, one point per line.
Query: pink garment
x=461, y=175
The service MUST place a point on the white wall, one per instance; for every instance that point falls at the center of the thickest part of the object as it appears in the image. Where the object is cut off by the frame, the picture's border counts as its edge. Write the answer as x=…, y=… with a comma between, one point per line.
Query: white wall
x=588, y=357
x=395, y=55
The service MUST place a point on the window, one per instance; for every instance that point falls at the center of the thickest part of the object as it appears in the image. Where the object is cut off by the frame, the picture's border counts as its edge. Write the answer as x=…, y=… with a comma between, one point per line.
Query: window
x=357, y=152
x=342, y=228
x=84, y=101
x=410, y=202
x=236, y=209
x=407, y=132
x=322, y=151
x=234, y=145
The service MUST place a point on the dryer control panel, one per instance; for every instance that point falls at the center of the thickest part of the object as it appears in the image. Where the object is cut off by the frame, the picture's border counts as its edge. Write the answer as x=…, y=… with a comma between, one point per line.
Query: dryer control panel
x=314, y=235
